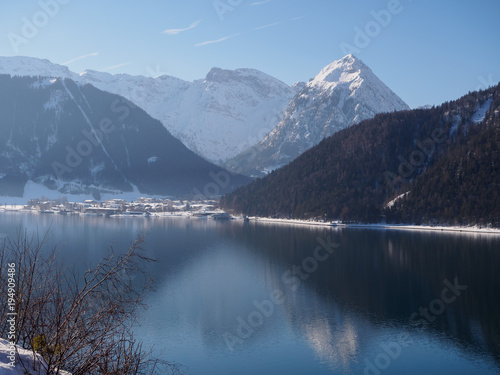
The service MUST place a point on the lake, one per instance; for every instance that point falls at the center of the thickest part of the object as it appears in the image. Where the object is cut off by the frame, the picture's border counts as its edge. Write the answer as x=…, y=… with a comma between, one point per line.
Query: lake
x=259, y=298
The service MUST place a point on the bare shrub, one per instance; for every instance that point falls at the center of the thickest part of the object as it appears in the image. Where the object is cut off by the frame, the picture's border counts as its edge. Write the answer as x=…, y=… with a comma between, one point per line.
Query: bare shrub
x=83, y=325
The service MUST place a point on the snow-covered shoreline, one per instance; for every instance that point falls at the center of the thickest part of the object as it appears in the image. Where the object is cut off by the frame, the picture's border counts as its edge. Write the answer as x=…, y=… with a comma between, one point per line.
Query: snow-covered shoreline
x=24, y=361
x=198, y=214
x=407, y=227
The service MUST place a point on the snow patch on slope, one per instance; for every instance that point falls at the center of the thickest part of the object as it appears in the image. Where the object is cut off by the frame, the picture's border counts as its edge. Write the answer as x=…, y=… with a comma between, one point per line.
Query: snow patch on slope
x=480, y=114
x=33, y=190
x=153, y=159
x=43, y=83
x=393, y=202
x=55, y=100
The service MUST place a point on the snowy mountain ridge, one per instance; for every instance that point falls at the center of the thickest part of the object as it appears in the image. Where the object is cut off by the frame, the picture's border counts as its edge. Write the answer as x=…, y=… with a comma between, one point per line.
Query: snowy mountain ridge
x=216, y=117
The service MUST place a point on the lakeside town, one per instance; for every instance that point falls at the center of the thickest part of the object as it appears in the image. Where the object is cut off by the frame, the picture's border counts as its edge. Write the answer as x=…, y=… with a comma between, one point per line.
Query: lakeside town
x=143, y=206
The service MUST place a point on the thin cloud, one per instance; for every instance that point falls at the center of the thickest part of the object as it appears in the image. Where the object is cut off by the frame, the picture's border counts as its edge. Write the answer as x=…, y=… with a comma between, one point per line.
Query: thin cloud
x=80, y=57
x=216, y=41
x=114, y=67
x=267, y=26
x=178, y=31
x=297, y=18
x=260, y=3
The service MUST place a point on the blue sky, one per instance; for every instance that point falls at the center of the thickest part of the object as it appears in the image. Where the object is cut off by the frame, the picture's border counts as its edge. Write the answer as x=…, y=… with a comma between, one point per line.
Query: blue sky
x=426, y=51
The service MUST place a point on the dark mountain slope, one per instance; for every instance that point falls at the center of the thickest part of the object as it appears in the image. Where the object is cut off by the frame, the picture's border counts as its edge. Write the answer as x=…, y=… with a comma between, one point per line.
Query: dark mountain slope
x=463, y=186
x=353, y=174
x=78, y=139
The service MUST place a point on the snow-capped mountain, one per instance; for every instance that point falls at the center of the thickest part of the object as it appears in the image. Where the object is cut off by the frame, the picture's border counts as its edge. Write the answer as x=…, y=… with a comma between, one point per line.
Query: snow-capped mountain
x=227, y=112
x=77, y=139
x=216, y=117
x=342, y=94
x=298, y=86
x=28, y=66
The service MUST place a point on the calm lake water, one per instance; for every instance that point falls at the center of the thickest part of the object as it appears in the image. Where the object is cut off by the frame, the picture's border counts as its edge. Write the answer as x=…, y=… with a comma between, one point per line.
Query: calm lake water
x=249, y=298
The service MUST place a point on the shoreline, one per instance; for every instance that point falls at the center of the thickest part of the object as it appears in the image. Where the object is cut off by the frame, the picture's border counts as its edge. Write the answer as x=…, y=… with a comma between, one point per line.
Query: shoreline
x=407, y=227
x=380, y=226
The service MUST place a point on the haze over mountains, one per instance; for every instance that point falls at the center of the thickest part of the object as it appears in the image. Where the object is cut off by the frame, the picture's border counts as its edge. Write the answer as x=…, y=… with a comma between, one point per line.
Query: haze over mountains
x=77, y=139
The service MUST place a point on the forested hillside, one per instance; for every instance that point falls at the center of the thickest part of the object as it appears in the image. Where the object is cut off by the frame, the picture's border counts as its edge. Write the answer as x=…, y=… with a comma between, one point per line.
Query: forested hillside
x=446, y=158
x=463, y=186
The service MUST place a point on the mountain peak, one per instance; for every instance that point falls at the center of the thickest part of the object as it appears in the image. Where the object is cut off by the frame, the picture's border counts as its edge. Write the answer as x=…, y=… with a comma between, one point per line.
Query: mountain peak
x=94, y=76
x=344, y=70
x=344, y=93
x=226, y=75
x=219, y=75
